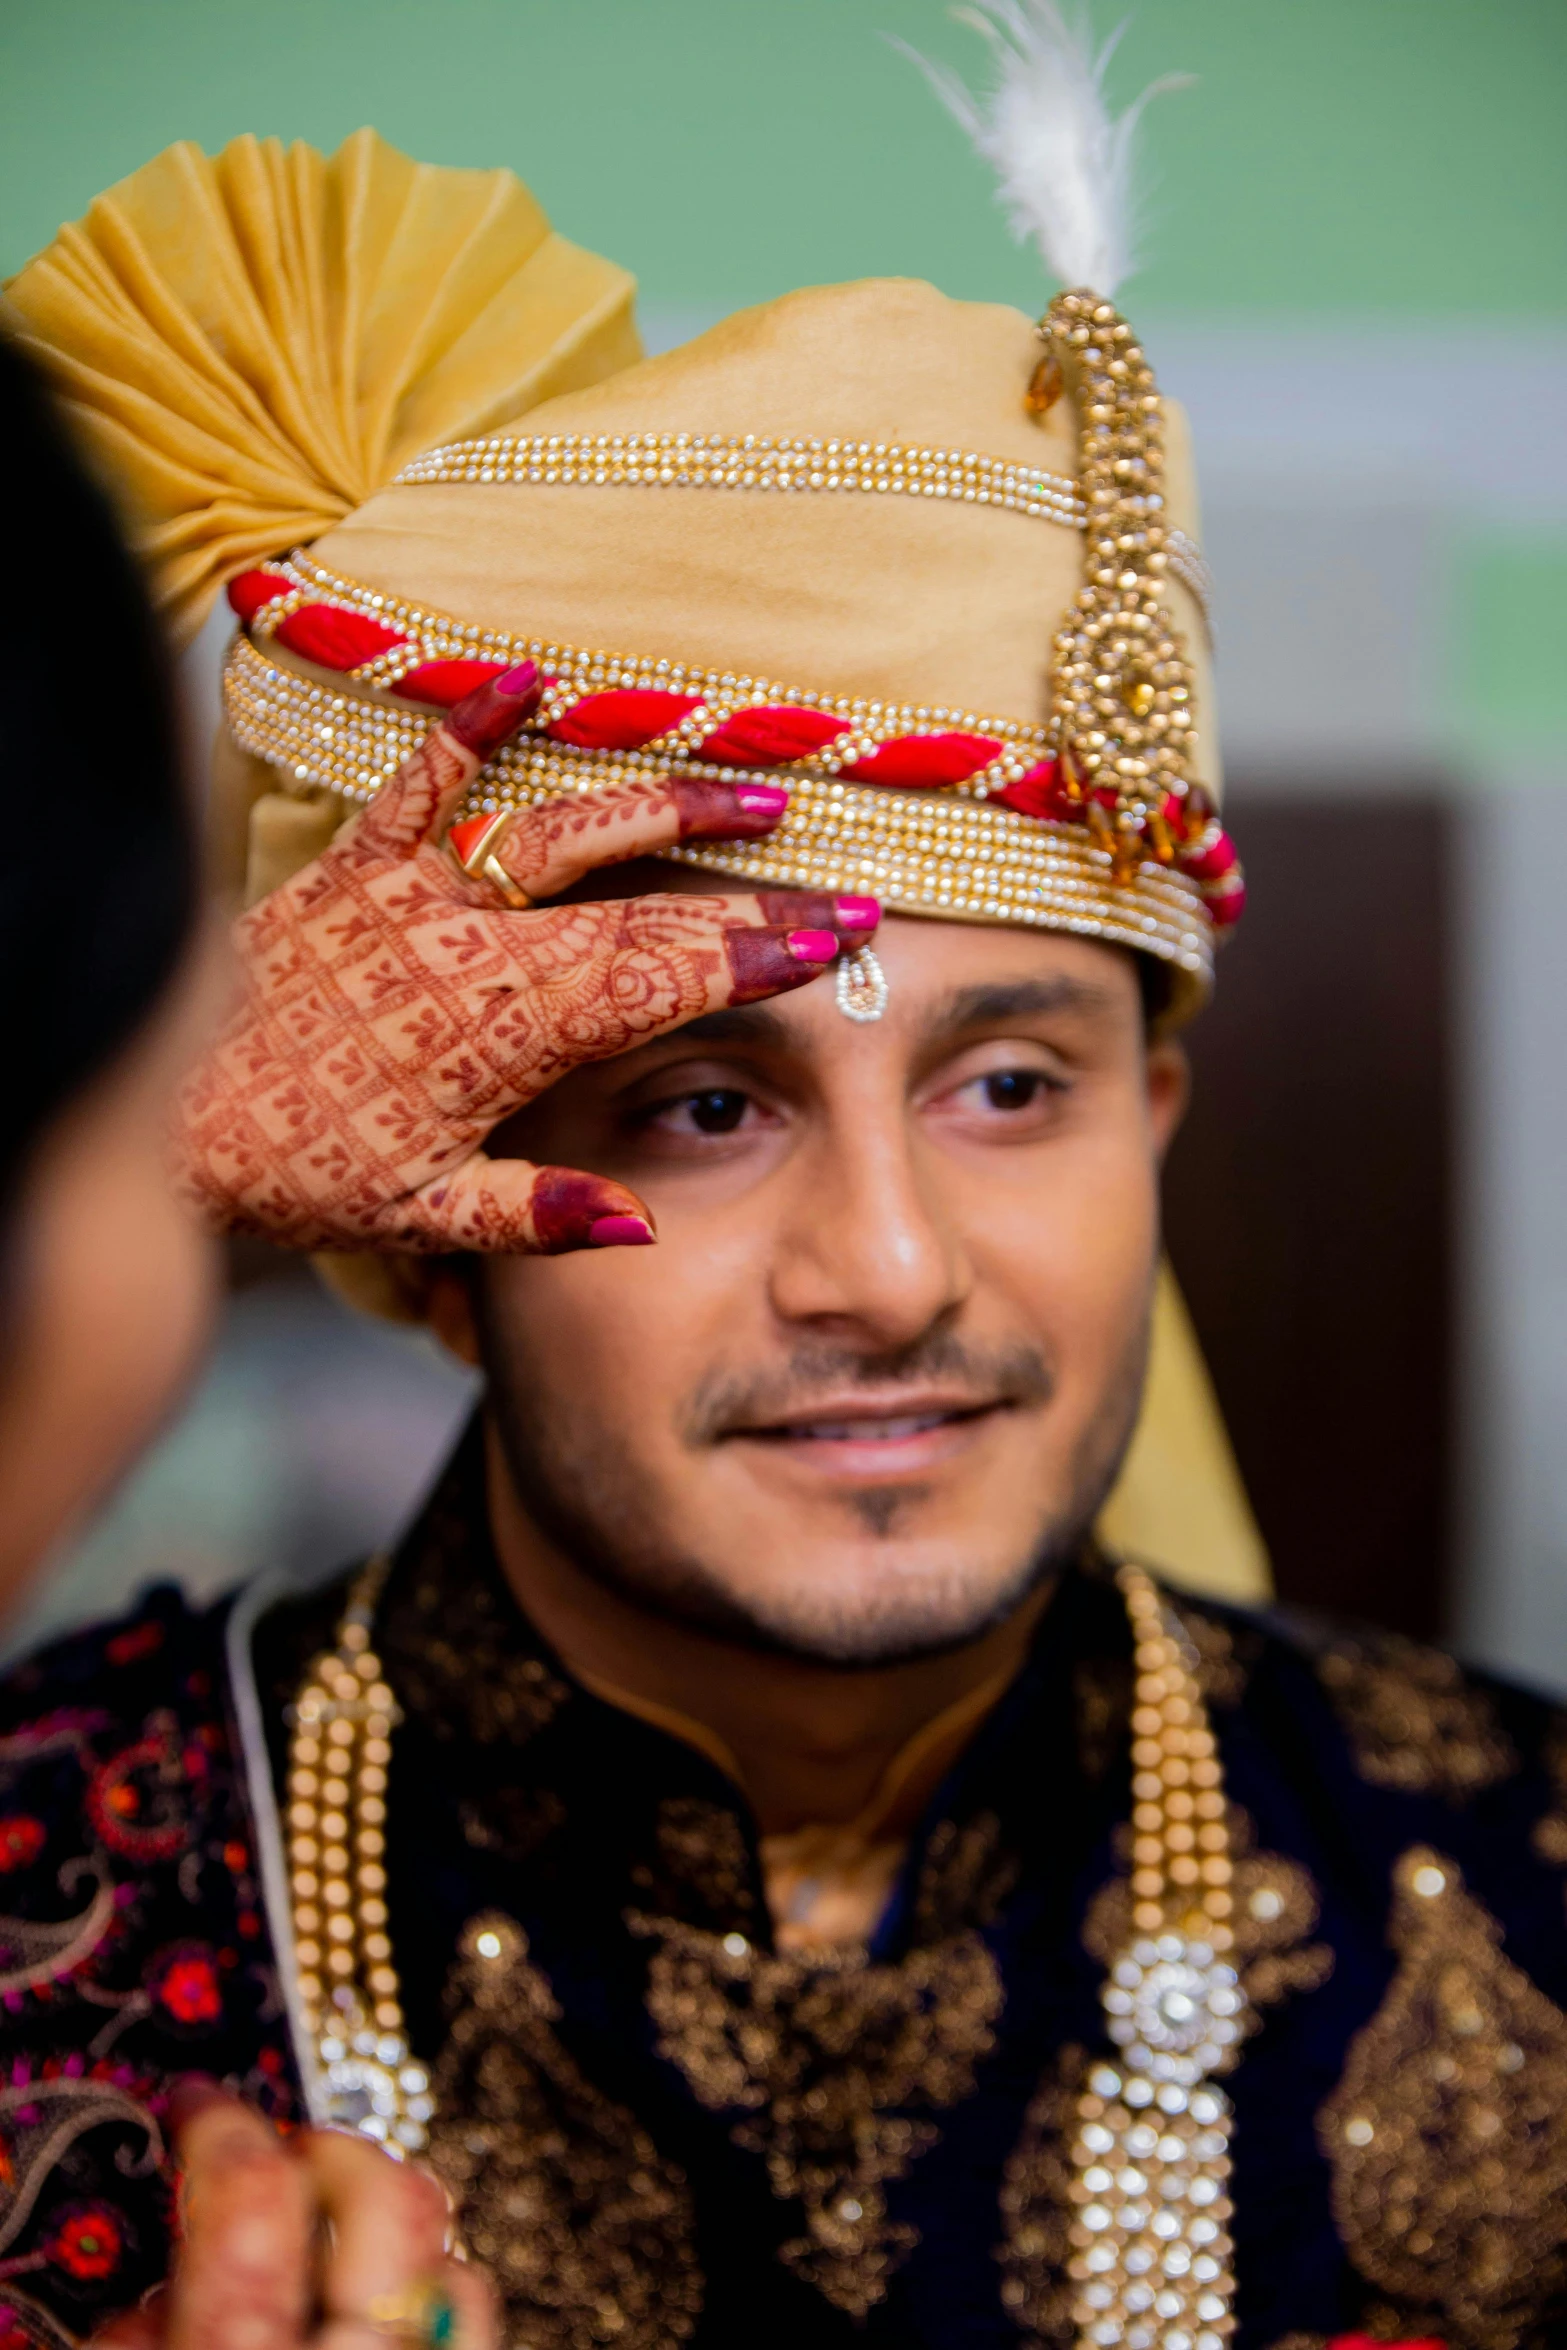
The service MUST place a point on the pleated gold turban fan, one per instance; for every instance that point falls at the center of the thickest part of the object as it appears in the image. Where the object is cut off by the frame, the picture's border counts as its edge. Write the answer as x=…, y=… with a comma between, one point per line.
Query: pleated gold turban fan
x=839, y=540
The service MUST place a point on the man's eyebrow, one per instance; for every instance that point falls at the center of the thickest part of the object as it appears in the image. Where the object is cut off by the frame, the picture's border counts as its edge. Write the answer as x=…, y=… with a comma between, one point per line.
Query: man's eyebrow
x=742, y=1024
x=990, y=1004
x=994, y=1003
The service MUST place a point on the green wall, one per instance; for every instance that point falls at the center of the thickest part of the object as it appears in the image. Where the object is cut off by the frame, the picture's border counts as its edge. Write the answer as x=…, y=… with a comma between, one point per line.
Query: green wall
x=1338, y=156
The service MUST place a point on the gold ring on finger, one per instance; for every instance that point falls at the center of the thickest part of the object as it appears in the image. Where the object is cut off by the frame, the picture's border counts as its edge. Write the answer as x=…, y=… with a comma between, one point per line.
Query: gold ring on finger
x=472, y=845
x=423, y=2312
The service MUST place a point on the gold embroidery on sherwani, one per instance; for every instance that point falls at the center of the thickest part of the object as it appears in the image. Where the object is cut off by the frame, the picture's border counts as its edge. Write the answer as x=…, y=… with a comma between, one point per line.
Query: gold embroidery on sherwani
x=1221, y=1667
x=582, y=2225
x=455, y=1648
x=701, y=1870
x=823, y=2052
x=511, y=1820
x=966, y=1877
x=1413, y=1719
x=823, y=2048
x=1448, y=2131
x=1102, y=1706
x=1037, y=2292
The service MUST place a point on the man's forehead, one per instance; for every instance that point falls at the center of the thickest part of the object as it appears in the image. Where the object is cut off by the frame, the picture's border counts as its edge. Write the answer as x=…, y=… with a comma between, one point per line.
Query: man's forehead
x=947, y=978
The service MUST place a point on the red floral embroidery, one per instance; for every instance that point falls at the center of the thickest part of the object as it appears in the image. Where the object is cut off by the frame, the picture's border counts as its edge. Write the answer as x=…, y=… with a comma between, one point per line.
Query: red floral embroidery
x=187, y=1985
x=115, y=1803
x=22, y=1838
x=88, y=2243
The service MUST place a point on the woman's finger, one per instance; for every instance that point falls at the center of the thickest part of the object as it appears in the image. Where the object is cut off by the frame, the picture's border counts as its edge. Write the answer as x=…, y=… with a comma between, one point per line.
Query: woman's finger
x=555, y=944
x=244, y=2279
x=595, y=978
x=544, y=850
x=417, y=804
x=474, y=2303
x=389, y=2223
x=766, y=940
x=142, y=2328
x=508, y=1207
x=451, y=2306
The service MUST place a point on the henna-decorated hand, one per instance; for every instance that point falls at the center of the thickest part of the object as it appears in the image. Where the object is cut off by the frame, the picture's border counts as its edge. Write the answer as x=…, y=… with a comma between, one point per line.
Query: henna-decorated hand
x=321, y=2242
x=394, y=1011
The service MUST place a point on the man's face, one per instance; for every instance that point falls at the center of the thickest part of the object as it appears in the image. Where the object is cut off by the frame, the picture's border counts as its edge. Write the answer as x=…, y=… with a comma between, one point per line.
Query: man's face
x=878, y=1373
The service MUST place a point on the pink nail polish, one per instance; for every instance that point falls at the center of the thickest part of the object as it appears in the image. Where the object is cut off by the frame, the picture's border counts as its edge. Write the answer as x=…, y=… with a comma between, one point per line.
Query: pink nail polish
x=492, y=713
x=812, y=946
x=619, y=1232
x=857, y=913
x=571, y=1210
x=762, y=799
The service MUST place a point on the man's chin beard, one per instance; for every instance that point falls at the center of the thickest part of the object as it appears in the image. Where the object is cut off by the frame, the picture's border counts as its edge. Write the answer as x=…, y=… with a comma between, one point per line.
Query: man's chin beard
x=931, y=1615
x=942, y=1611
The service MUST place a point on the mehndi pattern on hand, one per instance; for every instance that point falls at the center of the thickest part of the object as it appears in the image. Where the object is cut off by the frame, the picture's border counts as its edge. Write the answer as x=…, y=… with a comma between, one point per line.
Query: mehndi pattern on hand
x=394, y=1009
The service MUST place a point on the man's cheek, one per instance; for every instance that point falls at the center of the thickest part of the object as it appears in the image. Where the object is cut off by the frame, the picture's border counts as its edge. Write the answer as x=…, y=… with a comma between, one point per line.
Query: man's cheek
x=599, y=1375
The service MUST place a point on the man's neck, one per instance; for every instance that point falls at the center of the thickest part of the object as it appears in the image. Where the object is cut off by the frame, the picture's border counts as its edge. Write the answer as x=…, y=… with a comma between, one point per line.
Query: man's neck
x=808, y=1743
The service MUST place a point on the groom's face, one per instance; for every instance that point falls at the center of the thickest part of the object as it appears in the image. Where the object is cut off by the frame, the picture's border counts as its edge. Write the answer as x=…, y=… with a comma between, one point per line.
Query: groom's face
x=880, y=1369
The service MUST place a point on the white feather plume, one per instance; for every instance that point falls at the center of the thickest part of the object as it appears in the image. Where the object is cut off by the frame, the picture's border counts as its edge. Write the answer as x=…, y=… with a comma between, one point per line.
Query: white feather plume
x=1063, y=161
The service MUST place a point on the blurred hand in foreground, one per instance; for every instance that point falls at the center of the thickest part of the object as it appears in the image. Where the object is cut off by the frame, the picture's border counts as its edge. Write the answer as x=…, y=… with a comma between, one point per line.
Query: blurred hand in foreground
x=395, y=1008
x=319, y=2239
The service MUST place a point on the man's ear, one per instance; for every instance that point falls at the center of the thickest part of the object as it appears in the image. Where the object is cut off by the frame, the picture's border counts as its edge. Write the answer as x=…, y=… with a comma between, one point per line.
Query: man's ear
x=450, y=1308
x=1169, y=1081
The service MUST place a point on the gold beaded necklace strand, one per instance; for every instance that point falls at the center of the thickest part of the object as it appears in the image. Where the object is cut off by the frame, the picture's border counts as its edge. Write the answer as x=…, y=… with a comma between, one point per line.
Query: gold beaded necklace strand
x=339, y=1749
x=1151, y=2258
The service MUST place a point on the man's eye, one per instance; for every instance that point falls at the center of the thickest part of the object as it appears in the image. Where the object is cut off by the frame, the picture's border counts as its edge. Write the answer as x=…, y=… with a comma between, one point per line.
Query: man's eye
x=718, y=1112
x=1012, y=1089
x=720, y=1109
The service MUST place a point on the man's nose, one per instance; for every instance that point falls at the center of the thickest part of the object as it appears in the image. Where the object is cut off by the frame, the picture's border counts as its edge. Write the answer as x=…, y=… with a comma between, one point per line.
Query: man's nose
x=868, y=1251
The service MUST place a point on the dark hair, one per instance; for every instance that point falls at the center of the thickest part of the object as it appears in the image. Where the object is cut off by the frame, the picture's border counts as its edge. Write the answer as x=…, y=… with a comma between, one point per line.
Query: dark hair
x=97, y=854
x=1153, y=985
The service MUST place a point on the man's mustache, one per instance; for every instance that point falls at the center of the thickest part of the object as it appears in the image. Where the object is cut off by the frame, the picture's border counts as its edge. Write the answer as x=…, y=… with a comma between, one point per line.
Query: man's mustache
x=822, y=1375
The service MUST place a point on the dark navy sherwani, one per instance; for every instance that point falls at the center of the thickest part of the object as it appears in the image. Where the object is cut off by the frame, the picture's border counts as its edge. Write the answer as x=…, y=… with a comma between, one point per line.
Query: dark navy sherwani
x=663, y=2130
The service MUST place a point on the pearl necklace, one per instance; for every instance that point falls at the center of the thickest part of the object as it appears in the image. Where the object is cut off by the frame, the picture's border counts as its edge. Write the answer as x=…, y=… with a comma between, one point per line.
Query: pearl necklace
x=1151, y=2258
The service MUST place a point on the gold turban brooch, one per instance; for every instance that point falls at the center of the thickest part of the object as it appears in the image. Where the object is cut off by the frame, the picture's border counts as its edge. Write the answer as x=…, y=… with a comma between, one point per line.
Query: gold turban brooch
x=932, y=566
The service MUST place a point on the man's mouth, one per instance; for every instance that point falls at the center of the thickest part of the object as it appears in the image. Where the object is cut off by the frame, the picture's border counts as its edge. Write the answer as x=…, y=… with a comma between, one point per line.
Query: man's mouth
x=864, y=1431
x=864, y=1438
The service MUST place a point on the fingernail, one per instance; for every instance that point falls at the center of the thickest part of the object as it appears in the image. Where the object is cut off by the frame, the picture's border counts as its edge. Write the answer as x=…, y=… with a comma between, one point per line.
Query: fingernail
x=620, y=1232
x=492, y=713
x=719, y=811
x=191, y=2094
x=857, y=913
x=583, y=1211
x=765, y=962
